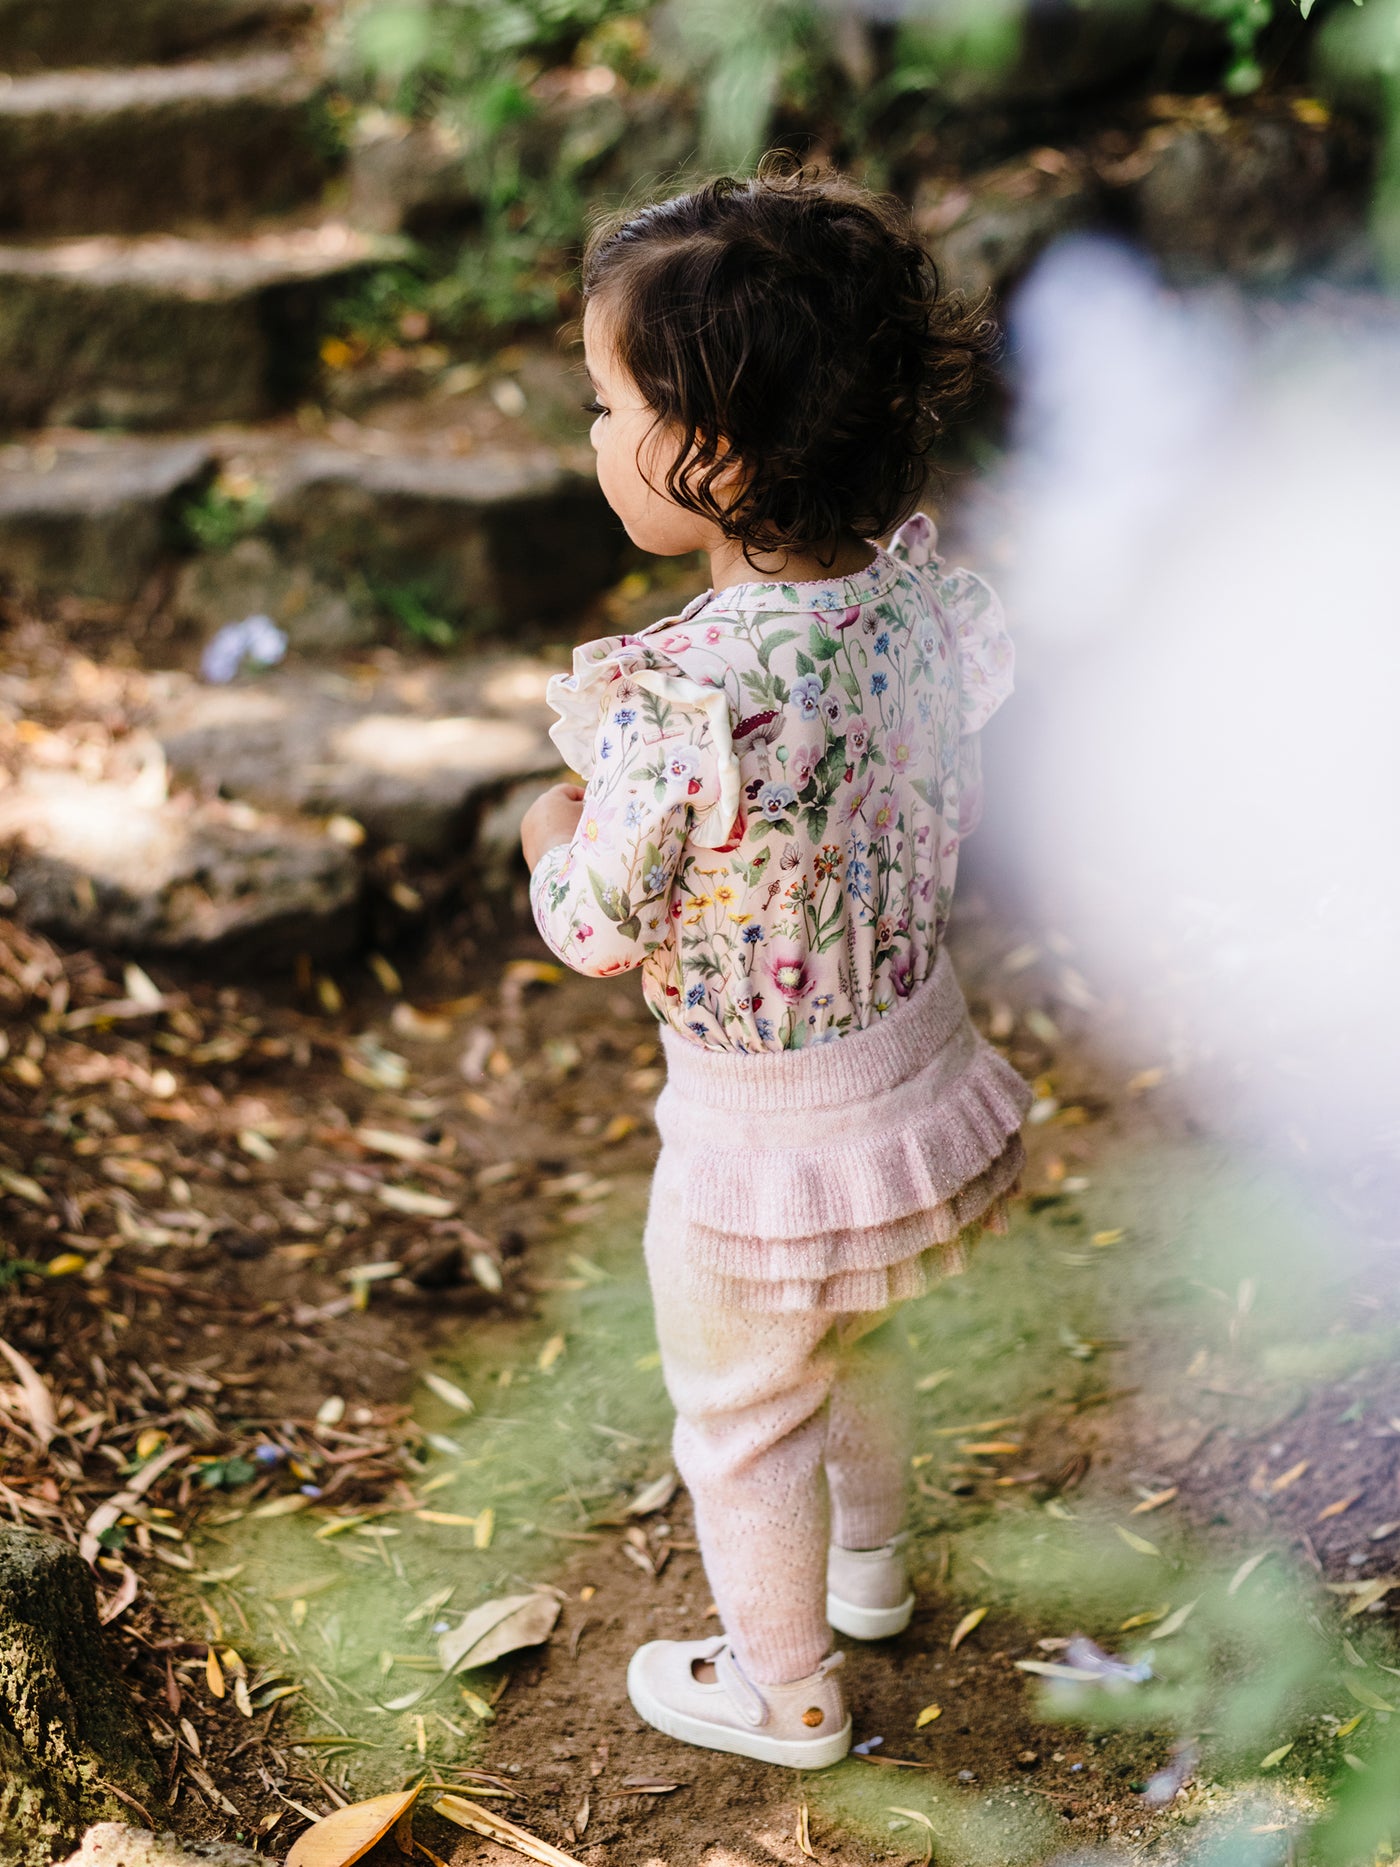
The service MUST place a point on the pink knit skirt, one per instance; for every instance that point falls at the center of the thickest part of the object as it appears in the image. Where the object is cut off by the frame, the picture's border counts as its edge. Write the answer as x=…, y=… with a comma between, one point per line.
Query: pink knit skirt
x=846, y=1176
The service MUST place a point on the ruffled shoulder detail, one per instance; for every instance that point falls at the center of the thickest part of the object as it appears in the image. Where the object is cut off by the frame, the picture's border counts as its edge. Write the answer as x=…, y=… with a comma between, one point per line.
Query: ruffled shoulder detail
x=580, y=696
x=916, y=542
x=986, y=659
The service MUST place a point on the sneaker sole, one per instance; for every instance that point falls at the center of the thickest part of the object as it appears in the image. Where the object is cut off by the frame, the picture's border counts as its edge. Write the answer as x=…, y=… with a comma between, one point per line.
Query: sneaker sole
x=799, y=1753
x=868, y=1623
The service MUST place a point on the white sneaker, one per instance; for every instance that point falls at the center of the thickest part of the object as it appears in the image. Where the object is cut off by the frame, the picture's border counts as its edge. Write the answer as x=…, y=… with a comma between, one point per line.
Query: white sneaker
x=803, y=1725
x=868, y=1596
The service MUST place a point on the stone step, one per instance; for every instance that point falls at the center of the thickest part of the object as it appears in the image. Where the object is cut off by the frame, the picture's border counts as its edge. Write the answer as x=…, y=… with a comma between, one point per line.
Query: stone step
x=350, y=547
x=223, y=820
x=38, y=34
x=93, y=518
x=499, y=541
x=107, y=863
x=160, y=331
x=160, y=147
x=413, y=755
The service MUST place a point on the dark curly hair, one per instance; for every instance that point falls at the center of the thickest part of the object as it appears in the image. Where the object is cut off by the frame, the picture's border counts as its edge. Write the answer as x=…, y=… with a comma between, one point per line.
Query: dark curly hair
x=793, y=324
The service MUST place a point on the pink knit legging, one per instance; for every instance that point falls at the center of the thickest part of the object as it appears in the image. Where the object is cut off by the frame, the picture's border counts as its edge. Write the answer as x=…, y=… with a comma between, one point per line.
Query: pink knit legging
x=791, y=1428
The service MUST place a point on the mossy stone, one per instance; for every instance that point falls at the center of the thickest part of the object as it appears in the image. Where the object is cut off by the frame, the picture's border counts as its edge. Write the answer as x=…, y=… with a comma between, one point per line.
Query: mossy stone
x=69, y=1731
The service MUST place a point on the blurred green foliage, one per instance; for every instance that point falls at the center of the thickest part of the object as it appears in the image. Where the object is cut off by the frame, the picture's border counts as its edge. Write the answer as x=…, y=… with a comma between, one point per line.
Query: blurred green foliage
x=742, y=73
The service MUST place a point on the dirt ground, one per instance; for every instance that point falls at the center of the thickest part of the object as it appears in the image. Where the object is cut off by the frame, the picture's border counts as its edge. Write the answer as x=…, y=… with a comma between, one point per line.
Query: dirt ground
x=243, y=1219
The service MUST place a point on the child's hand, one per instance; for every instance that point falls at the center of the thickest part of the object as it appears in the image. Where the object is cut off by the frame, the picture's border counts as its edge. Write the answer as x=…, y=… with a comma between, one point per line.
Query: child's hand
x=550, y=820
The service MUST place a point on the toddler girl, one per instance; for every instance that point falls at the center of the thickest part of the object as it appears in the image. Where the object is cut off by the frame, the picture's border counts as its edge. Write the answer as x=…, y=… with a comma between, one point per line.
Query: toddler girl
x=777, y=783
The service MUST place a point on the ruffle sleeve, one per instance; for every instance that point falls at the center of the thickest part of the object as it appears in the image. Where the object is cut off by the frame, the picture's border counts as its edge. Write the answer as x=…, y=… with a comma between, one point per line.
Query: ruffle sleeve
x=580, y=696
x=986, y=658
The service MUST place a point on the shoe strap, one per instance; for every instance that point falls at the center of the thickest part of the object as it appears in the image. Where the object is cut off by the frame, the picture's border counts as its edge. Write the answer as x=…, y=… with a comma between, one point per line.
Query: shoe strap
x=741, y=1691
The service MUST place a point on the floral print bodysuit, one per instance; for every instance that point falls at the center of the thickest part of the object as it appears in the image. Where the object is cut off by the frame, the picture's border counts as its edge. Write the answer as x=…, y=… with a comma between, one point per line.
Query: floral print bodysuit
x=777, y=784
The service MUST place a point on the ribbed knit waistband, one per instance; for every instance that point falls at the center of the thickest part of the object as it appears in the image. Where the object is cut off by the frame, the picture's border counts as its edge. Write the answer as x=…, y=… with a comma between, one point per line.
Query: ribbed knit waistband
x=843, y=1071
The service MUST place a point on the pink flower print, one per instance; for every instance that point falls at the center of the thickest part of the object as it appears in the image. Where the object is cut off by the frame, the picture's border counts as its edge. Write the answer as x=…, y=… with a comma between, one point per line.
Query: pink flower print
x=884, y=817
x=831, y=710
x=834, y=621
x=791, y=973
x=676, y=644
x=903, y=748
x=858, y=737
x=803, y=762
x=713, y=634
x=859, y=800
x=902, y=973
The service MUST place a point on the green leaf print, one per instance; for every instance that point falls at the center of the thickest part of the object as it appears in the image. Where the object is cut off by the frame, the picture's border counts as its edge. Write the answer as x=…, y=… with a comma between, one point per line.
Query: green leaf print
x=929, y=791
x=752, y=870
x=832, y=768
x=775, y=640
x=610, y=898
x=805, y=663
x=825, y=647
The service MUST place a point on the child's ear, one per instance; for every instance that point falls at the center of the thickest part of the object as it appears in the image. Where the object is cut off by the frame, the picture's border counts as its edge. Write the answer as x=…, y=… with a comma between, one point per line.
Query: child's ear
x=729, y=479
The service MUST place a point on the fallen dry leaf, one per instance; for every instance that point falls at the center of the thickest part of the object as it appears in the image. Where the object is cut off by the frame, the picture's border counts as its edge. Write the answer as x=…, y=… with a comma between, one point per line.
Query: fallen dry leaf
x=1155, y=1502
x=973, y=1618
x=420, y=1205
x=1290, y=1477
x=1175, y=1622
x=918, y=1816
x=23, y=1187
x=399, y=1146
x=804, y=1833
x=345, y=1835
x=1139, y=1543
x=483, y=1821
x=107, y=1514
x=450, y=1392
x=1243, y=1573
x=1336, y=1508
x=927, y=1716
x=655, y=1496
x=498, y=1627
x=38, y=1402
x=119, y=1602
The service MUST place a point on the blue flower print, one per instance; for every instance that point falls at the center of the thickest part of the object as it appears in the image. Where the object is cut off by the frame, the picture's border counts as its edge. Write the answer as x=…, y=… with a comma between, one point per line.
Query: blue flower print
x=764, y=1027
x=655, y=879
x=776, y=800
x=695, y=996
x=807, y=695
x=625, y=715
x=700, y=1030
x=879, y=682
x=882, y=644
x=752, y=935
x=605, y=750
x=634, y=813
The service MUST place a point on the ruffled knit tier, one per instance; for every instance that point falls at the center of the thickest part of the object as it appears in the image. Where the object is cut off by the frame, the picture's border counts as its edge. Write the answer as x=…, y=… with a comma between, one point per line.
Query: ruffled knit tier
x=846, y=1176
